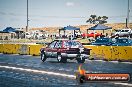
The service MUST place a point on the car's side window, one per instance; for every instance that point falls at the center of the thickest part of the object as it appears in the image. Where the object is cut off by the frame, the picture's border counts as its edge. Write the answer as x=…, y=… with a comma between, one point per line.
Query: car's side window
x=126, y=30
x=66, y=44
x=72, y=44
x=52, y=44
x=58, y=44
x=123, y=30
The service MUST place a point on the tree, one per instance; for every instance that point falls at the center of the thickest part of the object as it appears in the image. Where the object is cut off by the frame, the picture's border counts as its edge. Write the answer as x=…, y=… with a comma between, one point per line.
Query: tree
x=92, y=19
x=104, y=18
x=97, y=20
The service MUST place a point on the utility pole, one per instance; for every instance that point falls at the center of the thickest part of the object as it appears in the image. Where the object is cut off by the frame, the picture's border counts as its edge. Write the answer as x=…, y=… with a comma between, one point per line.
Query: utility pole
x=27, y=18
x=128, y=11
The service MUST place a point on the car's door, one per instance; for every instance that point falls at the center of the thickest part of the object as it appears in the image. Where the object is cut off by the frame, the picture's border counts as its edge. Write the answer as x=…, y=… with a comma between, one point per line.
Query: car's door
x=57, y=47
x=50, y=49
x=126, y=32
x=123, y=32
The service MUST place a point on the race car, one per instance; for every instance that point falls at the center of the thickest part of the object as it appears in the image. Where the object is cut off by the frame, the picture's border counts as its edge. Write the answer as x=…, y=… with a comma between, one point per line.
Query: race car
x=65, y=49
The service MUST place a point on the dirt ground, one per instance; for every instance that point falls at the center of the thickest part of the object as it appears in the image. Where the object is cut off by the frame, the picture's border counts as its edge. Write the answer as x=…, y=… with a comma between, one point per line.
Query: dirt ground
x=83, y=28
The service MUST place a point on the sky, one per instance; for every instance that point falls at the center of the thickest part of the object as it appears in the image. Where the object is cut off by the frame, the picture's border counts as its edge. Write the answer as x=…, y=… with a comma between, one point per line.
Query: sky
x=60, y=13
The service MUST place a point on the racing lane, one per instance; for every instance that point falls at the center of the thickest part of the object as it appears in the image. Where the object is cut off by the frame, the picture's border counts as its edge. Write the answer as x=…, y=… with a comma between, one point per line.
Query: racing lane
x=25, y=71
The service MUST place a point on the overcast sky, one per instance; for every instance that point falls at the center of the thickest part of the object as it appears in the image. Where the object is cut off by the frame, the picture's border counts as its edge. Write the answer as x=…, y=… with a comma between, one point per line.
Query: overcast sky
x=43, y=13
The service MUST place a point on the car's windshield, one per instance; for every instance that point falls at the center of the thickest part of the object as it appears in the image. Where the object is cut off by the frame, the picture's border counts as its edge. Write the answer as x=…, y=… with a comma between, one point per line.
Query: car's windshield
x=72, y=44
x=102, y=40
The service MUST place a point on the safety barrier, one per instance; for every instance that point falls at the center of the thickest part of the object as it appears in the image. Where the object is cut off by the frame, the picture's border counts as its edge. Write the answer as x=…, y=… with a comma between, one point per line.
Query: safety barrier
x=1, y=48
x=22, y=49
x=8, y=48
x=120, y=53
x=35, y=49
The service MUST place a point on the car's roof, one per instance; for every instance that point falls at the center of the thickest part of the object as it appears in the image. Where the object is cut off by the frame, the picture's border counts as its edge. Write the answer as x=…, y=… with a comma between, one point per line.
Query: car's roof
x=126, y=29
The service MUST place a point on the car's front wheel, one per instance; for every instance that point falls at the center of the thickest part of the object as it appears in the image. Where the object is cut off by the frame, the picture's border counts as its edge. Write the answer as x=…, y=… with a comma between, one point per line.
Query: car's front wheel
x=61, y=59
x=43, y=57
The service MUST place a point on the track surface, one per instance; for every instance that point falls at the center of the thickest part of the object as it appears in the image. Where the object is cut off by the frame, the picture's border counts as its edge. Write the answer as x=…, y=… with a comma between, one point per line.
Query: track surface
x=29, y=71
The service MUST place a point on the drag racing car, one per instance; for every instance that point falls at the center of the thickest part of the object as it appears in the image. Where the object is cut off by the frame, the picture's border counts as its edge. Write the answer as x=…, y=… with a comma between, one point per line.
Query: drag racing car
x=65, y=49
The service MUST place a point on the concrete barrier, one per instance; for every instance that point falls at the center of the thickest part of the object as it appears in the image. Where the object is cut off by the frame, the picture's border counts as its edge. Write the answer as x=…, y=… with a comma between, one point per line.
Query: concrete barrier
x=8, y=48
x=110, y=53
x=119, y=53
x=16, y=49
x=23, y=49
x=1, y=48
x=35, y=49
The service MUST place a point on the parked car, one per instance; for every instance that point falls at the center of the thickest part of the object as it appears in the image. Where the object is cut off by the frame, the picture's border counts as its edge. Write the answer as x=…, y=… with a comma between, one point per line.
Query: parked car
x=65, y=49
x=123, y=32
x=103, y=41
x=28, y=35
x=123, y=42
x=91, y=35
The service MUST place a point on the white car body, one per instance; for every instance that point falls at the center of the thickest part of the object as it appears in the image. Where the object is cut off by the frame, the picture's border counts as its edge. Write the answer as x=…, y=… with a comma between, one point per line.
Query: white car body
x=28, y=35
x=123, y=32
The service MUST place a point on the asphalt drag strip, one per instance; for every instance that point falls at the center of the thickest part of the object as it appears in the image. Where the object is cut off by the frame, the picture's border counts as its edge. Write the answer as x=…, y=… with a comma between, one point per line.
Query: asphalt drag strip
x=12, y=75
x=18, y=68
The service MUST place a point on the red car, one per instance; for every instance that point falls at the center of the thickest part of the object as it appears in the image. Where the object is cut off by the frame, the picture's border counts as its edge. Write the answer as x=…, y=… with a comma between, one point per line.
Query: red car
x=65, y=49
x=91, y=35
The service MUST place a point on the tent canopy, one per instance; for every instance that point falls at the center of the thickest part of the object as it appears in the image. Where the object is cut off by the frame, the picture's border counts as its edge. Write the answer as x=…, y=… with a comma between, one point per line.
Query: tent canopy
x=3, y=32
x=70, y=28
x=10, y=29
x=100, y=27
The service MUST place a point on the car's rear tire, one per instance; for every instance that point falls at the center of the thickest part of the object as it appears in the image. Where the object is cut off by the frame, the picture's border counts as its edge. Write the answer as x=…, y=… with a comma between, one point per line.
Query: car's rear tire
x=80, y=60
x=43, y=57
x=61, y=59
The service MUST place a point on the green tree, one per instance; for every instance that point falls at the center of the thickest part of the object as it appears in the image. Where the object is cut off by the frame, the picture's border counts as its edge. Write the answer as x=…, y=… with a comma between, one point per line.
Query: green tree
x=97, y=20
x=92, y=19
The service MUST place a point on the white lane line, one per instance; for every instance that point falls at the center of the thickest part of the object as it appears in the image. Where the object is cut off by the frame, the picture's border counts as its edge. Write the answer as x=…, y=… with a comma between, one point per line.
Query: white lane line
x=127, y=62
x=39, y=71
x=110, y=61
x=125, y=84
x=96, y=60
x=114, y=61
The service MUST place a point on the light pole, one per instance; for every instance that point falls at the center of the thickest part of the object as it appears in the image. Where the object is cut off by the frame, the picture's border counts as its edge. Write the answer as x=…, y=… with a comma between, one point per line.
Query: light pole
x=128, y=11
x=27, y=18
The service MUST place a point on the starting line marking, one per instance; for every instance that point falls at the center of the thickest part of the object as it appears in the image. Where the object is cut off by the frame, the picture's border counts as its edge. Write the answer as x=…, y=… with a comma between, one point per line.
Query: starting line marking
x=40, y=71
